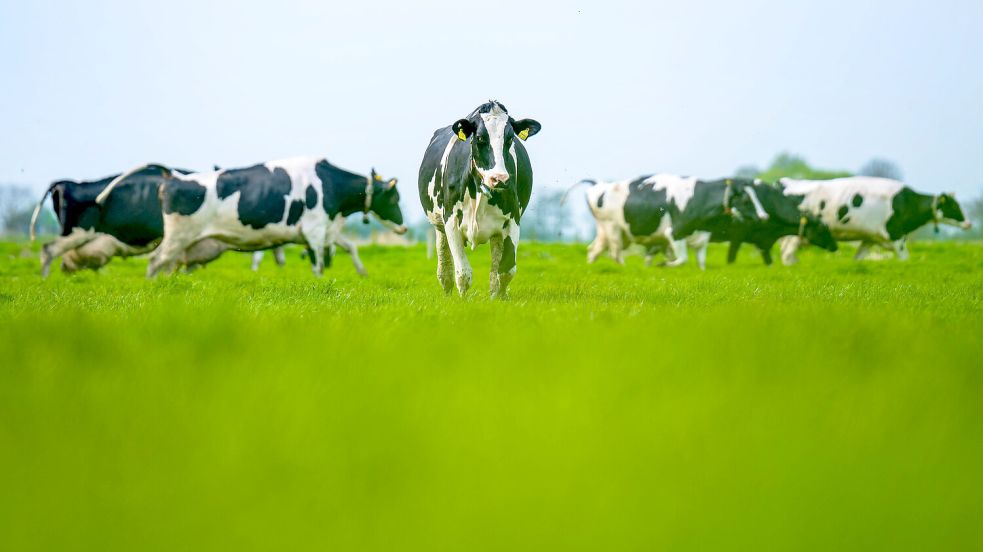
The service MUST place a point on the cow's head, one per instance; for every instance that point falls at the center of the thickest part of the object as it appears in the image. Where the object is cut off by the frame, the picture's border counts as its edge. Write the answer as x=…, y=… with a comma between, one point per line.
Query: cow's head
x=813, y=230
x=490, y=131
x=384, y=203
x=949, y=212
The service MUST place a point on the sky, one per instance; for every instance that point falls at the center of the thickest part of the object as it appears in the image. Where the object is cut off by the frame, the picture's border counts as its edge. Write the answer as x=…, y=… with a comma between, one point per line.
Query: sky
x=621, y=88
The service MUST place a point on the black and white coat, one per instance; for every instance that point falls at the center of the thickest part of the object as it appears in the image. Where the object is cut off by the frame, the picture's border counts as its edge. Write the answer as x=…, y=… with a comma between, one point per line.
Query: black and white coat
x=666, y=212
x=873, y=211
x=475, y=183
x=298, y=200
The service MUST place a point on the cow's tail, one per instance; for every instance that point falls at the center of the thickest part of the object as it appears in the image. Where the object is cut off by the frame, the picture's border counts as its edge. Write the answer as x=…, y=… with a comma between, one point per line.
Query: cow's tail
x=589, y=181
x=37, y=211
x=101, y=198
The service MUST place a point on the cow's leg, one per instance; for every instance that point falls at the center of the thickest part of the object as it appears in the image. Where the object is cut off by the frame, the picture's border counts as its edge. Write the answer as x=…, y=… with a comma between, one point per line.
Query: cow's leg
x=700, y=241
x=318, y=249
x=51, y=250
x=352, y=250
x=766, y=255
x=615, y=247
x=280, y=256
x=257, y=259
x=650, y=253
x=862, y=251
x=503, y=265
x=788, y=245
x=178, y=238
x=462, y=268
x=445, y=264
x=495, y=244
x=93, y=255
x=595, y=248
x=203, y=252
x=735, y=246
x=901, y=248
x=679, y=253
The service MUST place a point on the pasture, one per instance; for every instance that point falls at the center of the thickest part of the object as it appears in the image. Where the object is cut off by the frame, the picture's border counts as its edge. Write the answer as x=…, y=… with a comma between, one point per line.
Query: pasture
x=828, y=405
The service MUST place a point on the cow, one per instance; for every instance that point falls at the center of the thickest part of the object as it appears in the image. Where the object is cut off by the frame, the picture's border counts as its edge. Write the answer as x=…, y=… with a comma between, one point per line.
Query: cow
x=785, y=218
x=130, y=224
x=475, y=183
x=874, y=211
x=666, y=212
x=297, y=200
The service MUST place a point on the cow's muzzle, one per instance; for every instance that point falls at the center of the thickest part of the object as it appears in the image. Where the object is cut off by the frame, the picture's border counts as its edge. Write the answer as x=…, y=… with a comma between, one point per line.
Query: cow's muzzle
x=494, y=179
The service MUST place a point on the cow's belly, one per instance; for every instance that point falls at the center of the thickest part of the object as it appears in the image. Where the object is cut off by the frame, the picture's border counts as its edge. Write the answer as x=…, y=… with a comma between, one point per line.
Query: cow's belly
x=488, y=222
x=246, y=237
x=658, y=237
x=862, y=224
x=481, y=220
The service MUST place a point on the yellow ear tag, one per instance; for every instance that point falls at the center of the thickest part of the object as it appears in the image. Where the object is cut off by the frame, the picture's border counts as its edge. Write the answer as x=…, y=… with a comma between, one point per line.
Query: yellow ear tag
x=523, y=134
x=803, y=220
x=729, y=182
x=462, y=136
x=379, y=178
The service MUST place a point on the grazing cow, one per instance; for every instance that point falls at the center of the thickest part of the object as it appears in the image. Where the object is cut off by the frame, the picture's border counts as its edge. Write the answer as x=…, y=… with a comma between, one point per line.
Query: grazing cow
x=785, y=218
x=667, y=213
x=871, y=210
x=298, y=200
x=475, y=183
x=129, y=224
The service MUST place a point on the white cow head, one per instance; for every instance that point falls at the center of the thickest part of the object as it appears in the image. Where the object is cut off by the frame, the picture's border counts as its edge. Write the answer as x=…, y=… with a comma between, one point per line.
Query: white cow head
x=490, y=131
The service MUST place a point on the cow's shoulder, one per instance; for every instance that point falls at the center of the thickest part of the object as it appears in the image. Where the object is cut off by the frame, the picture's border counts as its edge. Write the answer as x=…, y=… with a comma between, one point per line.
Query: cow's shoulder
x=909, y=211
x=645, y=206
x=182, y=195
x=524, y=176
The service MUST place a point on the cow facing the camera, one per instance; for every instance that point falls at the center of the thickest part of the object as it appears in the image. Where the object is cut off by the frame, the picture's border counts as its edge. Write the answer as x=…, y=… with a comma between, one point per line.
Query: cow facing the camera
x=475, y=183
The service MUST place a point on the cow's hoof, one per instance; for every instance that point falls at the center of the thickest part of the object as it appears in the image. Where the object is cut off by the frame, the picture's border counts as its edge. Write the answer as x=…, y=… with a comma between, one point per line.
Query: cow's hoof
x=463, y=282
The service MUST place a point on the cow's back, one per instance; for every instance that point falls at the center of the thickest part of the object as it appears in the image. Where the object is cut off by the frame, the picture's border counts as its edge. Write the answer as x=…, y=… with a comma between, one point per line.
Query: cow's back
x=854, y=208
x=77, y=207
x=132, y=212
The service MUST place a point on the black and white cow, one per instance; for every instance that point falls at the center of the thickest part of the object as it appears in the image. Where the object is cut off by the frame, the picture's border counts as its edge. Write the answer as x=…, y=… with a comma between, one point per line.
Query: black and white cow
x=129, y=224
x=665, y=212
x=475, y=183
x=871, y=210
x=785, y=218
x=298, y=200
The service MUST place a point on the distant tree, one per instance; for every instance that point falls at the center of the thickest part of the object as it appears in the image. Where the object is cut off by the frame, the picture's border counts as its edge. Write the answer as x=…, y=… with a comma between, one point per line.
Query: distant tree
x=747, y=171
x=974, y=213
x=787, y=165
x=547, y=220
x=16, y=207
x=882, y=168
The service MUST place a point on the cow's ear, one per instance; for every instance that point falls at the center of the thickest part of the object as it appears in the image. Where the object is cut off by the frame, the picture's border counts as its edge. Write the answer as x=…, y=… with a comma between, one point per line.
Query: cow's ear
x=525, y=128
x=464, y=129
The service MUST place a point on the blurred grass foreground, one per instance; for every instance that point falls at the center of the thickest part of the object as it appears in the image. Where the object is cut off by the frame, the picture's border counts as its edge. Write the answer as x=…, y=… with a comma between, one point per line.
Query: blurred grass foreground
x=831, y=405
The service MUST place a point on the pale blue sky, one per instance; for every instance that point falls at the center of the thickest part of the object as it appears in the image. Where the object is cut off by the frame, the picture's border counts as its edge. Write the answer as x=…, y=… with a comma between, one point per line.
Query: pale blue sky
x=621, y=88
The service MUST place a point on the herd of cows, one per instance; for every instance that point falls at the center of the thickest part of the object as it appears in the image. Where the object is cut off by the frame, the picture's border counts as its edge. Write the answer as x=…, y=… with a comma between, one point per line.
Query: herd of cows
x=475, y=183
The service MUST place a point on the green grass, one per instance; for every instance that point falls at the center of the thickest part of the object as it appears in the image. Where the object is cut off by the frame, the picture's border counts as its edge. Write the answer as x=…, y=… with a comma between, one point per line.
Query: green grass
x=828, y=406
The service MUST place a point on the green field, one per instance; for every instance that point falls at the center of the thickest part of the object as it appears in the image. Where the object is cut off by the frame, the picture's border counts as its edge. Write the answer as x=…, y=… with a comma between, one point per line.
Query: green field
x=827, y=406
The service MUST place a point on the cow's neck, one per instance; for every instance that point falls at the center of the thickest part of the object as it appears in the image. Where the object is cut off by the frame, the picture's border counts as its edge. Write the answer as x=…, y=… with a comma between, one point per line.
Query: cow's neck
x=912, y=210
x=344, y=192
